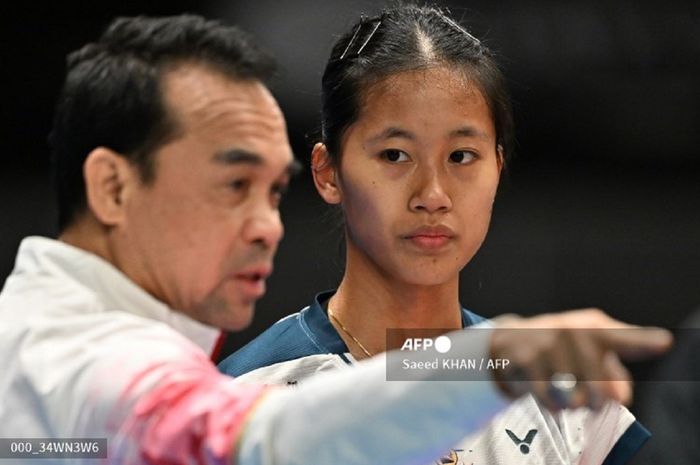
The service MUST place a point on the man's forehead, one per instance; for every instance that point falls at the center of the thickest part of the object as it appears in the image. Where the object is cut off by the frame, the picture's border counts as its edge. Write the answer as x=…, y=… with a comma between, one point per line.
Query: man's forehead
x=240, y=119
x=196, y=90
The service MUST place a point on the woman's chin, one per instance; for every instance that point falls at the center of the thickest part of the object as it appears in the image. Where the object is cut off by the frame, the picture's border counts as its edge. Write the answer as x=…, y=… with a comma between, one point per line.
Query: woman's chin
x=428, y=278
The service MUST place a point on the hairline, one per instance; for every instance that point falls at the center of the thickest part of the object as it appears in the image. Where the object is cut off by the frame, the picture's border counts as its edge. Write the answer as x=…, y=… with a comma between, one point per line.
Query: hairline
x=172, y=119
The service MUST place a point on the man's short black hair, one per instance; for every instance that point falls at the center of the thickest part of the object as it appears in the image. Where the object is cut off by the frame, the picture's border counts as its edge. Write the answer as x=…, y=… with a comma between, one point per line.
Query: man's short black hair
x=112, y=95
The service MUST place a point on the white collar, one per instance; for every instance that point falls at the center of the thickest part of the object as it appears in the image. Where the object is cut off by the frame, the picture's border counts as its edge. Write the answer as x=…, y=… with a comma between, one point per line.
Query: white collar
x=40, y=254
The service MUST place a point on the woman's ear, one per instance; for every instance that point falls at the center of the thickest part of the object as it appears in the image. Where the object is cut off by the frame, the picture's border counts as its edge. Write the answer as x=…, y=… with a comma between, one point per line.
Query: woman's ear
x=324, y=171
x=108, y=176
x=500, y=157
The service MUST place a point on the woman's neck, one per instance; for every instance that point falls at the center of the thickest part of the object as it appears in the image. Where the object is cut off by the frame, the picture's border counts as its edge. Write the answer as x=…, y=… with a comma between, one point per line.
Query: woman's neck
x=368, y=302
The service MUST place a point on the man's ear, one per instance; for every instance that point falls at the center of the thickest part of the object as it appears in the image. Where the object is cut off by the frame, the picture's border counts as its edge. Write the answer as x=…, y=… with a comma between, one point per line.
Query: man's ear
x=108, y=177
x=324, y=171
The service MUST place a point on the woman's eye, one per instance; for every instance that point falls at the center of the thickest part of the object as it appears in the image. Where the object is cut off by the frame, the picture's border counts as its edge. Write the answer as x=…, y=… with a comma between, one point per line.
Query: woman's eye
x=395, y=156
x=239, y=184
x=462, y=157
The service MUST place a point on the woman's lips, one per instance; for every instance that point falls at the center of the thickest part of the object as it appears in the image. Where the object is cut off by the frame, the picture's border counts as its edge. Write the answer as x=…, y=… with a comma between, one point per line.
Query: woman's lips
x=430, y=242
x=430, y=237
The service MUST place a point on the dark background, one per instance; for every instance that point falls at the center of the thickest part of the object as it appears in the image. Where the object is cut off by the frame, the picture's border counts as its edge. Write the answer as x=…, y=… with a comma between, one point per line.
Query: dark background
x=601, y=206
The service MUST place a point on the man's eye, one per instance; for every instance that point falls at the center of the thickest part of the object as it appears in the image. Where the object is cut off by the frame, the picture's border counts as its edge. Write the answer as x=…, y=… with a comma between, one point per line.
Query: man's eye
x=395, y=156
x=278, y=192
x=462, y=157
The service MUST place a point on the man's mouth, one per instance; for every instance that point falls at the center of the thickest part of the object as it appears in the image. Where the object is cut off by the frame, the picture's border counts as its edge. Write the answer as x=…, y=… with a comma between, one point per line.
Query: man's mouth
x=252, y=281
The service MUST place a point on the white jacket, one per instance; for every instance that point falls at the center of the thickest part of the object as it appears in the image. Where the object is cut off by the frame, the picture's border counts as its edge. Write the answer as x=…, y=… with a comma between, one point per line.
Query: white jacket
x=86, y=353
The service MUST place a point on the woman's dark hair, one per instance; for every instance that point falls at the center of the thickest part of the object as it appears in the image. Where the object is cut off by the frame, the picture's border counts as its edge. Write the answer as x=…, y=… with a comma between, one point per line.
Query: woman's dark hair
x=404, y=38
x=112, y=95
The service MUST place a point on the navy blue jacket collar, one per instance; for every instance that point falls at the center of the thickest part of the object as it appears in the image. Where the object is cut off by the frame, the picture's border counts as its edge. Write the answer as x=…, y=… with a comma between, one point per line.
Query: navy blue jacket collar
x=314, y=321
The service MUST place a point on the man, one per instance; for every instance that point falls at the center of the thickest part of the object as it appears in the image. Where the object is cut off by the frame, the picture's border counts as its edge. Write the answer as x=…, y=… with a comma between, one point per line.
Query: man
x=170, y=156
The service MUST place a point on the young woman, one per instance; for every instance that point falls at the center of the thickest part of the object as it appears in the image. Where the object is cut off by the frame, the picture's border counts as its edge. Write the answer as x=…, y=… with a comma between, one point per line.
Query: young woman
x=417, y=128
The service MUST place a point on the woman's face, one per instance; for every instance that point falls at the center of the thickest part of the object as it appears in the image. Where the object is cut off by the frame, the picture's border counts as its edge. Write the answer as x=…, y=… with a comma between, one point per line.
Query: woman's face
x=418, y=176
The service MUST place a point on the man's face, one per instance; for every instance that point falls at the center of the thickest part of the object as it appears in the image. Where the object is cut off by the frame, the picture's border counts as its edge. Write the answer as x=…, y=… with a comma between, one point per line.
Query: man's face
x=201, y=237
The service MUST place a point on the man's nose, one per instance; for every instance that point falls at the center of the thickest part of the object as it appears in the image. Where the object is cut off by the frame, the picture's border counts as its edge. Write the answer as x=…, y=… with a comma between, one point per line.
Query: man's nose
x=265, y=227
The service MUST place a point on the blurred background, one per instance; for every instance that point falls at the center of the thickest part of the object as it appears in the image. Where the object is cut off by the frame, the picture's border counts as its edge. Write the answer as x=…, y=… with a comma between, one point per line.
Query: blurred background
x=600, y=207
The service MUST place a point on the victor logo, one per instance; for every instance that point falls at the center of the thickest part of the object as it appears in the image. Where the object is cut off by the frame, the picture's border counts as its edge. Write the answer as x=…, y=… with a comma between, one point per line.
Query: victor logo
x=523, y=444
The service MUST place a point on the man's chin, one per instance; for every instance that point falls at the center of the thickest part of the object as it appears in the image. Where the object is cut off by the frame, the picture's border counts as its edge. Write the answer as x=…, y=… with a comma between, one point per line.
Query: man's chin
x=238, y=316
x=239, y=324
x=226, y=315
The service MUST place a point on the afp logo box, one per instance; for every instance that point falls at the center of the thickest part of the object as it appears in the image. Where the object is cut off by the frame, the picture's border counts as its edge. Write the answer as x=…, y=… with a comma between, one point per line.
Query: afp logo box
x=432, y=355
x=442, y=344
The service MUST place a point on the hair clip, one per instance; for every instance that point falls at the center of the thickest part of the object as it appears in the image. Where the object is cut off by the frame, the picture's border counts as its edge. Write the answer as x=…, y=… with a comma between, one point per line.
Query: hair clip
x=375, y=23
x=455, y=25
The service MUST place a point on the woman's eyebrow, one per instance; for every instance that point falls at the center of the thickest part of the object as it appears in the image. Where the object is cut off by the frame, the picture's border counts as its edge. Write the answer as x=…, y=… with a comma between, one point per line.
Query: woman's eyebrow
x=396, y=132
x=469, y=131
x=392, y=132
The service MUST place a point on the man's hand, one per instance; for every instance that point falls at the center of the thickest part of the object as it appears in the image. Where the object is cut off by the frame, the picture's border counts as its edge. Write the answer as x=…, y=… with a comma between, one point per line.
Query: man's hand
x=572, y=359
